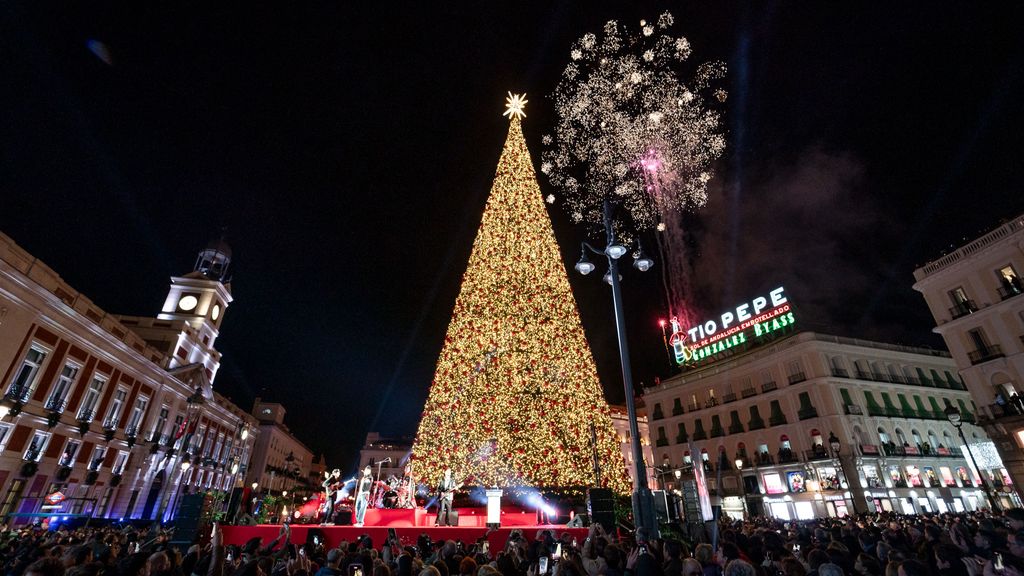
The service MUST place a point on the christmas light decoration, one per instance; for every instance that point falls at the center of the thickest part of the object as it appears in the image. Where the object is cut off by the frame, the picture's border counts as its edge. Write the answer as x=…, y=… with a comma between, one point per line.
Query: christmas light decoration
x=515, y=395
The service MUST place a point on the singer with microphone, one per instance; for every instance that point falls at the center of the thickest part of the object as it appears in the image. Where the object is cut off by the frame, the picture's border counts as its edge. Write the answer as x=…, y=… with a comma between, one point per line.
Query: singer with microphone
x=363, y=495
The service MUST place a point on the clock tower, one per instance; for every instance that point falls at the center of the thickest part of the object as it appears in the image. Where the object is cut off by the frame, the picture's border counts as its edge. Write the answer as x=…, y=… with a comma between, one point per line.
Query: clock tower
x=200, y=299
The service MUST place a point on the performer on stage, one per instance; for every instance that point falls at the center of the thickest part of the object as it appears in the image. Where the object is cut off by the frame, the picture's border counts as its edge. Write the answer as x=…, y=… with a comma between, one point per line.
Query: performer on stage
x=445, y=496
x=406, y=489
x=331, y=484
x=363, y=495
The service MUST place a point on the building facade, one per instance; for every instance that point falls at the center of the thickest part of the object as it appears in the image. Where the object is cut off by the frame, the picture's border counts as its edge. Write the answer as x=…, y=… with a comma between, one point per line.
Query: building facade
x=621, y=424
x=976, y=296
x=390, y=454
x=280, y=461
x=812, y=425
x=106, y=411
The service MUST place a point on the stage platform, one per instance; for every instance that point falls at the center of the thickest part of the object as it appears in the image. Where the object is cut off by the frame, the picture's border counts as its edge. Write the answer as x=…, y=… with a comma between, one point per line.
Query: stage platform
x=408, y=535
x=468, y=517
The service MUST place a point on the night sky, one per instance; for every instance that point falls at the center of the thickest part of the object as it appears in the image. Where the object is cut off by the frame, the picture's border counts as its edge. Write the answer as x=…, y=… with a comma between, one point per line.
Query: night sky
x=349, y=147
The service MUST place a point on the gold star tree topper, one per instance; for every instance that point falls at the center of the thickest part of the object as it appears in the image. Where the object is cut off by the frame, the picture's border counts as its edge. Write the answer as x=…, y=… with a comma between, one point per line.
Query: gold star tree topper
x=514, y=105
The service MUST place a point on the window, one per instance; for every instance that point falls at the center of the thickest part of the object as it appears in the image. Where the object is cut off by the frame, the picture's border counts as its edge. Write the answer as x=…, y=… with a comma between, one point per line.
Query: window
x=1010, y=284
x=25, y=378
x=219, y=447
x=96, y=460
x=5, y=434
x=178, y=431
x=161, y=422
x=116, y=405
x=70, y=451
x=120, y=462
x=197, y=440
x=35, y=448
x=883, y=437
x=59, y=395
x=136, y=418
x=958, y=296
x=92, y=397
x=795, y=372
x=962, y=305
x=13, y=496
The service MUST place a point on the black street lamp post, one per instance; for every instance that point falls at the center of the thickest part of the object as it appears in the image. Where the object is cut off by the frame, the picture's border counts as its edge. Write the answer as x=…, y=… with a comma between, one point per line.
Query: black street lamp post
x=643, y=500
x=956, y=419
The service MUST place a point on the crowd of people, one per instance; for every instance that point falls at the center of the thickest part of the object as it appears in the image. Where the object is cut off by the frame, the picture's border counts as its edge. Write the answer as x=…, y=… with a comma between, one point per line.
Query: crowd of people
x=961, y=544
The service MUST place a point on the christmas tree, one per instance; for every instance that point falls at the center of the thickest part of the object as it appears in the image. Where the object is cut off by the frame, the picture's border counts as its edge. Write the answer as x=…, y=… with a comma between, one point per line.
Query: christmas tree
x=516, y=400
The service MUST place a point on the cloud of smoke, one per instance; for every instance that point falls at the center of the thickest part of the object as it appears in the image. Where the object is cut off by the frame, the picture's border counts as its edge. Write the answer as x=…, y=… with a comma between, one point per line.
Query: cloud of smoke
x=801, y=226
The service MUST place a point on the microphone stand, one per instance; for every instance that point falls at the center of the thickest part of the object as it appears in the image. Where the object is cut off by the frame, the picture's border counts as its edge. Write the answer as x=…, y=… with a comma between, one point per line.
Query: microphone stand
x=376, y=484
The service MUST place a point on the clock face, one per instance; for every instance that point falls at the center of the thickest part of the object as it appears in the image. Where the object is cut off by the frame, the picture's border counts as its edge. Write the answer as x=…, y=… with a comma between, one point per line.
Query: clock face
x=216, y=312
x=188, y=303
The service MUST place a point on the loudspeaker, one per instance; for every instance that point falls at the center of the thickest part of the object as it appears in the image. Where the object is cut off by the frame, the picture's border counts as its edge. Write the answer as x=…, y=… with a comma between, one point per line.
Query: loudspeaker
x=601, y=508
x=187, y=521
x=661, y=505
x=453, y=518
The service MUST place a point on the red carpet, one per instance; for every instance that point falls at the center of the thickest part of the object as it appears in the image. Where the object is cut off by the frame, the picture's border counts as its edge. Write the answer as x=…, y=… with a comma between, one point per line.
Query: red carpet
x=408, y=535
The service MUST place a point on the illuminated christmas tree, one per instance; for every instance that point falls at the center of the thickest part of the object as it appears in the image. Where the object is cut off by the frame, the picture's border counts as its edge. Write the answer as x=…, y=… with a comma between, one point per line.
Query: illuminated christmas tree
x=516, y=400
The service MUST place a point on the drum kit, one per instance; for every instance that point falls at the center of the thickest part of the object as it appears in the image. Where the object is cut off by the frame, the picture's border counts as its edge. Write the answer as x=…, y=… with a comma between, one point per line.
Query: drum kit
x=388, y=493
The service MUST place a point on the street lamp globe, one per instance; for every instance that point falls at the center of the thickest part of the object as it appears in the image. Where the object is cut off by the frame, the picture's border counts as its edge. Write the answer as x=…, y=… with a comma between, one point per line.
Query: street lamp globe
x=584, y=266
x=739, y=463
x=953, y=415
x=678, y=473
x=255, y=485
x=616, y=251
x=186, y=462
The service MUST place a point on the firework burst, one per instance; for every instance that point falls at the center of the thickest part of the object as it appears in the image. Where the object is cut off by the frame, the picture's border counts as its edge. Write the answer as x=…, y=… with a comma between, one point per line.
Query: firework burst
x=630, y=129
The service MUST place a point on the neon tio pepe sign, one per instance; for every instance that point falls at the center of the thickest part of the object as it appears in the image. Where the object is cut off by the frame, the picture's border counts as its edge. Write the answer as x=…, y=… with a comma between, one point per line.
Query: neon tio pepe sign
x=762, y=315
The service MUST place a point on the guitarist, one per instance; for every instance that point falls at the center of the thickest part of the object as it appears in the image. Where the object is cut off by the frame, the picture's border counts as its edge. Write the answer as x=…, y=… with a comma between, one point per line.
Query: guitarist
x=445, y=496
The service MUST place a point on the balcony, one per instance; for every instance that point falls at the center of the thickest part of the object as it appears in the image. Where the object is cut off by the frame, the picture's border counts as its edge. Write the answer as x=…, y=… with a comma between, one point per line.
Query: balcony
x=755, y=424
x=730, y=397
x=764, y=459
x=692, y=408
x=853, y=410
x=86, y=416
x=748, y=392
x=1011, y=288
x=132, y=431
x=777, y=420
x=717, y=432
x=787, y=456
x=700, y=435
x=660, y=442
x=990, y=352
x=797, y=378
x=677, y=410
x=56, y=405
x=682, y=438
x=736, y=428
x=807, y=413
x=862, y=375
x=768, y=386
x=18, y=394
x=819, y=453
x=963, y=309
x=657, y=414
x=840, y=372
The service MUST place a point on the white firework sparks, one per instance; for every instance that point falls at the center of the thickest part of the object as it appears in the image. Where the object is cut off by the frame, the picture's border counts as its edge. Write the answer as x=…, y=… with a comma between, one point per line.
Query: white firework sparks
x=630, y=128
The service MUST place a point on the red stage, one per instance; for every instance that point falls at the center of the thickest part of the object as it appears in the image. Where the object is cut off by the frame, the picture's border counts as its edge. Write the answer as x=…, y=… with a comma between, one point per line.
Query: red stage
x=408, y=535
x=468, y=517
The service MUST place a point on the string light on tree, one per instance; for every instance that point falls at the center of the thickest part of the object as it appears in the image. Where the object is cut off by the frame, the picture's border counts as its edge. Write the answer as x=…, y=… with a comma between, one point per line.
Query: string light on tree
x=516, y=390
